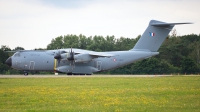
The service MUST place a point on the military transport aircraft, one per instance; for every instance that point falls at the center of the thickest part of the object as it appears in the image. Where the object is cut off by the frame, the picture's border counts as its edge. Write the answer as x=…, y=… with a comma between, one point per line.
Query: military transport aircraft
x=79, y=61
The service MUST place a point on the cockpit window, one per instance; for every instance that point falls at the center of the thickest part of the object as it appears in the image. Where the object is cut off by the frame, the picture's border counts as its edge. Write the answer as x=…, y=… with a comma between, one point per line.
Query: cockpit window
x=17, y=54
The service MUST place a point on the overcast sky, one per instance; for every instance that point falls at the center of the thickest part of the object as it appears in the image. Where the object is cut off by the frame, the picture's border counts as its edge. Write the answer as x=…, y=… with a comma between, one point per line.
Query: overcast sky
x=34, y=23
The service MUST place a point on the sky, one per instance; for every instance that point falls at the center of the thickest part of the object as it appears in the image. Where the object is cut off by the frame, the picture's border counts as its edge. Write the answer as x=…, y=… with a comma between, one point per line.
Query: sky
x=34, y=23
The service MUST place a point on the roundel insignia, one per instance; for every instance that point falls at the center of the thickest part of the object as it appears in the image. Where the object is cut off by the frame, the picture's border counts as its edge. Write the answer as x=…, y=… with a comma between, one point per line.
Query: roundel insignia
x=114, y=59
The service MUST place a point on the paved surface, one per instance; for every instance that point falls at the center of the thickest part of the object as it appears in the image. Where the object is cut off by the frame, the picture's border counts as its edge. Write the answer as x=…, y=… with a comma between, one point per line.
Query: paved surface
x=57, y=76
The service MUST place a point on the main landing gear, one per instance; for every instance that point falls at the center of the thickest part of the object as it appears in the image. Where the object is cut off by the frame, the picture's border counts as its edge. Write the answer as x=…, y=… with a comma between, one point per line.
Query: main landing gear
x=69, y=73
x=77, y=74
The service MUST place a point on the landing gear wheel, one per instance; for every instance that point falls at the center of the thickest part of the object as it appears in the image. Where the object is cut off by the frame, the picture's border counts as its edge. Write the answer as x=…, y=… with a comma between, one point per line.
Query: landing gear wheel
x=88, y=74
x=69, y=73
x=25, y=73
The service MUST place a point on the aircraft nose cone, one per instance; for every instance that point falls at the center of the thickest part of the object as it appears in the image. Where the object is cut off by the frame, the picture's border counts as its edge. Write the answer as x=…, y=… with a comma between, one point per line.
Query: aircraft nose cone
x=9, y=61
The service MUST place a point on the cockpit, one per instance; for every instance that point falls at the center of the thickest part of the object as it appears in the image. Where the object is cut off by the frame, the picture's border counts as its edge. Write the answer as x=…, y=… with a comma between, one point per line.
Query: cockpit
x=17, y=54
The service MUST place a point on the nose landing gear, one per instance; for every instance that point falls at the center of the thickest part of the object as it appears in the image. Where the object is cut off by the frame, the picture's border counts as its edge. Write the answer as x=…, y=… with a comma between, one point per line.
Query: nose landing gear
x=25, y=73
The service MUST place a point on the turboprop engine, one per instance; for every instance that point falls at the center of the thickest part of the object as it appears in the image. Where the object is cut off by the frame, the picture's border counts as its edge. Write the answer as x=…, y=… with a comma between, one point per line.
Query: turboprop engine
x=82, y=58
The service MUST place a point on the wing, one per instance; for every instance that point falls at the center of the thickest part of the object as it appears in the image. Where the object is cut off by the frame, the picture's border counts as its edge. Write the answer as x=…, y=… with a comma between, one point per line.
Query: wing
x=96, y=54
x=91, y=53
x=81, y=55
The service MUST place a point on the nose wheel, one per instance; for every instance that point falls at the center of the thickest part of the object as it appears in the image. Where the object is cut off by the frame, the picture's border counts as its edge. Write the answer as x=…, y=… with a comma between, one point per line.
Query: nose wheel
x=25, y=73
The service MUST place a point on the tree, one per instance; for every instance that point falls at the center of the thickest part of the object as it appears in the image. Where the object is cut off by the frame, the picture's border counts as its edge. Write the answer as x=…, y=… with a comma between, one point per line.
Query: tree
x=3, y=56
x=188, y=65
x=18, y=48
x=56, y=43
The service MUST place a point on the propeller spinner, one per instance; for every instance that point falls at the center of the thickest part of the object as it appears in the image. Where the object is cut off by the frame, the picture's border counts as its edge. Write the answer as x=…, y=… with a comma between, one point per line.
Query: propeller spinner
x=58, y=56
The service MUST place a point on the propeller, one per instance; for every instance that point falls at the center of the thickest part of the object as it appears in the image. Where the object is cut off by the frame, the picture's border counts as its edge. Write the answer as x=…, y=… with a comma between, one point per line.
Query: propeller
x=58, y=56
x=71, y=57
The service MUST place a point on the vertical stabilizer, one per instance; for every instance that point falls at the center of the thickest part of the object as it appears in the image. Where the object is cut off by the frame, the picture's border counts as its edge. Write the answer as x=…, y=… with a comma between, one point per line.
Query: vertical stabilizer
x=154, y=35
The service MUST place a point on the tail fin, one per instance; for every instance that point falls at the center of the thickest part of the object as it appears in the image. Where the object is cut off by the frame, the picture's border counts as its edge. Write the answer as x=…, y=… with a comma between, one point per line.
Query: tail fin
x=154, y=35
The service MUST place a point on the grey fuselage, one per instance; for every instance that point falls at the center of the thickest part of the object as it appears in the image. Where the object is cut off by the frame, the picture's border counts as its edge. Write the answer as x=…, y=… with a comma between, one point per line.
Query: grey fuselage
x=44, y=61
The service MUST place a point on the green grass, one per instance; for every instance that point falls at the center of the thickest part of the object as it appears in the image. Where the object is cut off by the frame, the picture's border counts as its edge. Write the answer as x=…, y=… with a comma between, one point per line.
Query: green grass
x=179, y=93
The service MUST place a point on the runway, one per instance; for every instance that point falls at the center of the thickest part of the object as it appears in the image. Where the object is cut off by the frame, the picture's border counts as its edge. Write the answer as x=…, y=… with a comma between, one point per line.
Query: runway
x=63, y=76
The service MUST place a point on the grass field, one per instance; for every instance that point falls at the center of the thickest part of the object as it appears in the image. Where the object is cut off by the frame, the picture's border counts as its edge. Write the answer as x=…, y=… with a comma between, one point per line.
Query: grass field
x=175, y=93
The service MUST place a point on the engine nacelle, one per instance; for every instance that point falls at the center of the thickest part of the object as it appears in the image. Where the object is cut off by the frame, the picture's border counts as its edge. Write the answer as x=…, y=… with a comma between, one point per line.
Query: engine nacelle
x=82, y=57
x=65, y=55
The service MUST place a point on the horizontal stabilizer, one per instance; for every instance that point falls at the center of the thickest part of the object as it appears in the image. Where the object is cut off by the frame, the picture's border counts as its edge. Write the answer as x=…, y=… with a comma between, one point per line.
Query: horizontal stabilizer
x=168, y=24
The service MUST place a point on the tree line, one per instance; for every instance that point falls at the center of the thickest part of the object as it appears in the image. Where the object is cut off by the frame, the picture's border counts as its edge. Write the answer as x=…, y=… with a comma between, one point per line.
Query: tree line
x=178, y=54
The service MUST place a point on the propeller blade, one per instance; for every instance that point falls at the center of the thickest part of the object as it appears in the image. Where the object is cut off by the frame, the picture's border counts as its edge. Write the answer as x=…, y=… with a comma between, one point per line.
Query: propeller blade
x=58, y=62
x=71, y=55
x=58, y=56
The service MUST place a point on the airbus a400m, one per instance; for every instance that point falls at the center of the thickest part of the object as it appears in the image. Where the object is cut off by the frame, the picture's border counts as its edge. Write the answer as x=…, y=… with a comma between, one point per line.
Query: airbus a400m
x=79, y=61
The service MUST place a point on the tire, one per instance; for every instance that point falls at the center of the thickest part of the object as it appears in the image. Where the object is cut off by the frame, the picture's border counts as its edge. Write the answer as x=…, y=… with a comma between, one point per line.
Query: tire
x=25, y=73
